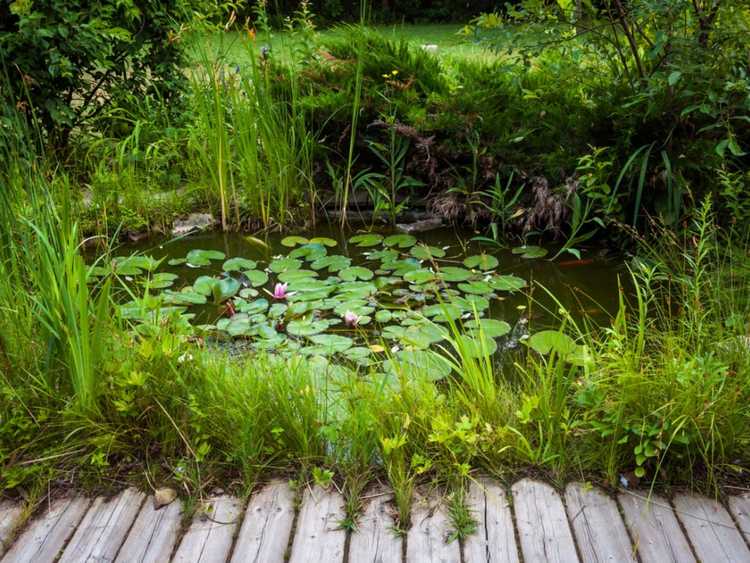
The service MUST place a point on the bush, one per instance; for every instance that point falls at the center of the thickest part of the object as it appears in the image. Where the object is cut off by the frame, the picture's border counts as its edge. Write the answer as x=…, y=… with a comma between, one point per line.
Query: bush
x=71, y=61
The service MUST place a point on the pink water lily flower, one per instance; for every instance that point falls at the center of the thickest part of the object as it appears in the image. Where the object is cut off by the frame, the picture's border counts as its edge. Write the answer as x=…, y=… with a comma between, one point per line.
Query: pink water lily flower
x=351, y=319
x=279, y=291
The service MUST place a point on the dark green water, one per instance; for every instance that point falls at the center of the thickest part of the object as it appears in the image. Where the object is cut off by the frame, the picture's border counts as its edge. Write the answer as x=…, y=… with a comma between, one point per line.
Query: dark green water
x=589, y=286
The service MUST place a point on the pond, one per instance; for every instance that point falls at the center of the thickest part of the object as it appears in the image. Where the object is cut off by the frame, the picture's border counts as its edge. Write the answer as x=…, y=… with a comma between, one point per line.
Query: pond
x=354, y=294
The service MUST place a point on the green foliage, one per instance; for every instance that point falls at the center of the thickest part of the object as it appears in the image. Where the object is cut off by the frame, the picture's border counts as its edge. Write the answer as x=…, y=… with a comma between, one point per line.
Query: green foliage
x=72, y=62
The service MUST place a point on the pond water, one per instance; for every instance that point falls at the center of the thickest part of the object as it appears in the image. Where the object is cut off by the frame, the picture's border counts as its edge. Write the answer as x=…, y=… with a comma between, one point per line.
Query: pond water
x=346, y=289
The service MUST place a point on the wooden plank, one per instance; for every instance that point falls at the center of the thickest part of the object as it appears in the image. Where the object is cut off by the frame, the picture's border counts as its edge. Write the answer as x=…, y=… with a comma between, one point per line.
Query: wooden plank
x=209, y=539
x=103, y=529
x=319, y=536
x=153, y=535
x=427, y=538
x=45, y=537
x=597, y=525
x=710, y=529
x=494, y=540
x=655, y=529
x=269, y=517
x=739, y=506
x=542, y=525
x=10, y=514
x=375, y=540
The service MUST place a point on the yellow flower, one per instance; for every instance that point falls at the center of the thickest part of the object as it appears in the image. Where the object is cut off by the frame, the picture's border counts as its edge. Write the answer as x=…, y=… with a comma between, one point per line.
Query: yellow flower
x=394, y=72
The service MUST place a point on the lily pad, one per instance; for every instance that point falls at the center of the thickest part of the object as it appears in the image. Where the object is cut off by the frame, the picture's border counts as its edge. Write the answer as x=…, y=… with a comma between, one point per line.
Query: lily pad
x=423, y=252
x=253, y=307
x=491, y=327
x=481, y=262
x=442, y=312
x=332, y=263
x=238, y=265
x=309, y=252
x=400, y=241
x=325, y=241
x=426, y=362
x=284, y=264
x=475, y=287
x=530, y=251
x=454, y=274
x=334, y=343
x=366, y=240
x=292, y=276
x=224, y=288
x=476, y=345
x=162, y=280
x=199, y=257
x=256, y=277
x=292, y=241
x=548, y=341
x=507, y=283
x=306, y=327
x=183, y=297
x=356, y=273
x=420, y=276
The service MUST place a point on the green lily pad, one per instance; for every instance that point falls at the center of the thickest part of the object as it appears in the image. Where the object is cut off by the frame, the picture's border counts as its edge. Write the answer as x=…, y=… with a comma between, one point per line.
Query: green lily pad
x=198, y=257
x=454, y=274
x=306, y=327
x=481, y=261
x=471, y=303
x=475, y=287
x=253, y=307
x=325, y=241
x=332, y=263
x=359, y=308
x=183, y=297
x=491, y=327
x=177, y=261
x=204, y=285
x=308, y=252
x=162, y=280
x=256, y=277
x=423, y=252
x=358, y=353
x=356, y=273
x=548, y=341
x=284, y=264
x=476, y=345
x=383, y=316
x=366, y=240
x=239, y=264
x=442, y=312
x=332, y=342
x=507, y=283
x=420, y=276
x=401, y=241
x=292, y=276
x=278, y=310
x=530, y=251
x=427, y=362
x=292, y=241
x=224, y=288
x=423, y=334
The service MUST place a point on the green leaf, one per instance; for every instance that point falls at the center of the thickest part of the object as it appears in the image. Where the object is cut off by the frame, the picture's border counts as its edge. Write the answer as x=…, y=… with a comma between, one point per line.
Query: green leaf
x=224, y=288
x=548, y=341
x=454, y=274
x=356, y=273
x=475, y=287
x=490, y=327
x=331, y=263
x=256, y=277
x=306, y=327
x=325, y=241
x=476, y=345
x=674, y=77
x=426, y=362
x=401, y=241
x=423, y=252
x=530, y=251
x=238, y=264
x=366, y=240
x=284, y=264
x=481, y=261
x=293, y=241
x=334, y=343
x=420, y=276
x=507, y=283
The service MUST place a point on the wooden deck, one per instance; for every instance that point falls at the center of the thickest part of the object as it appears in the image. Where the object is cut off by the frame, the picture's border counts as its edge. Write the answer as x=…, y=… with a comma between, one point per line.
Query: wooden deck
x=530, y=522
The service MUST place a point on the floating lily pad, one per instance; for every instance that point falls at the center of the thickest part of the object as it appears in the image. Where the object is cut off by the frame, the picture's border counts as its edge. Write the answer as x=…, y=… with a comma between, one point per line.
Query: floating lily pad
x=507, y=283
x=383, y=316
x=238, y=265
x=548, y=341
x=204, y=285
x=366, y=240
x=162, y=280
x=277, y=310
x=426, y=362
x=530, y=251
x=309, y=252
x=471, y=303
x=442, y=312
x=356, y=273
x=198, y=257
x=306, y=327
x=331, y=263
x=292, y=241
x=177, y=261
x=422, y=334
x=183, y=297
x=481, y=262
x=476, y=345
x=419, y=276
x=423, y=252
x=292, y=276
x=284, y=264
x=334, y=343
x=454, y=274
x=224, y=288
x=490, y=327
x=475, y=287
x=253, y=307
x=358, y=353
x=256, y=277
x=325, y=241
x=401, y=241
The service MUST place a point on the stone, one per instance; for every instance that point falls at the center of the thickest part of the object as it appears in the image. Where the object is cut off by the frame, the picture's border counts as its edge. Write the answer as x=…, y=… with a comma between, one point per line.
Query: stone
x=194, y=222
x=422, y=226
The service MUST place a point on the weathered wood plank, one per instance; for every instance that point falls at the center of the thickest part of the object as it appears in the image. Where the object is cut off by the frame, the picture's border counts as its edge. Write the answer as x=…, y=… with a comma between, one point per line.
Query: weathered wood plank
x=597, y=525
x=153, y=535
x=209, y=539
x=375, y=540
x=10, y=513
x=494, y=540
x=427, y=539
x=542, y=525
x=655, y=529
x=46, y=535
x=710, y=529
x=103, y=529
x=319, y=536
x=269, y=517
x=739, y=506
